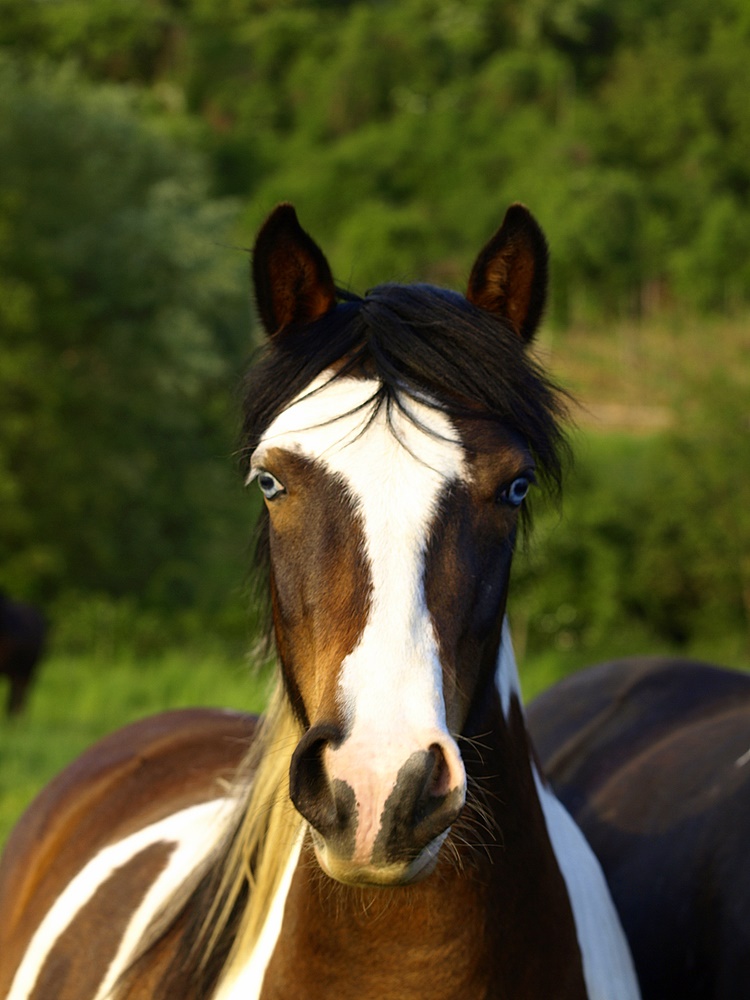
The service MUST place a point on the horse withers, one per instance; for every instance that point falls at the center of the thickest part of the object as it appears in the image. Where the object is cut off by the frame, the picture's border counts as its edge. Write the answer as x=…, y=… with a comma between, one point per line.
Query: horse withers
x=386, y=832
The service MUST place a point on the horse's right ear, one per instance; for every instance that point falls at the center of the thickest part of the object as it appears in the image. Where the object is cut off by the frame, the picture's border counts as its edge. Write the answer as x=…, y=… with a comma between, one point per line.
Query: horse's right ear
x=292, y=279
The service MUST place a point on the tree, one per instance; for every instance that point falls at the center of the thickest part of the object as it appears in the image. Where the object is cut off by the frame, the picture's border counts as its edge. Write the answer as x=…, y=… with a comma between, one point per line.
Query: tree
x=122, y=317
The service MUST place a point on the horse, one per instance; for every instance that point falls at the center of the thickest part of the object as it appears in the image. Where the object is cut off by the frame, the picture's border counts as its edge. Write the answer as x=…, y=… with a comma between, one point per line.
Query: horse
x=23, y=633
x=652, y=758
x=385, y=829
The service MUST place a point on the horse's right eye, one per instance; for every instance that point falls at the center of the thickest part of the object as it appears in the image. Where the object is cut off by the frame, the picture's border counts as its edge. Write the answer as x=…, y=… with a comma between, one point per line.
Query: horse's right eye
x=269, y=485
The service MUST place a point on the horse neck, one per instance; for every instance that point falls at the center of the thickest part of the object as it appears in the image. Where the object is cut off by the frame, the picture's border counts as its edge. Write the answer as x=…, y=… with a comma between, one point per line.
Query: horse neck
x=493, y=919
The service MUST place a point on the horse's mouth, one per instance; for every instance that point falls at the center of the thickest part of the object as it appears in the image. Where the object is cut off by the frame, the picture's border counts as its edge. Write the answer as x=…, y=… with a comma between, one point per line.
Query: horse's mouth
x=388, y=874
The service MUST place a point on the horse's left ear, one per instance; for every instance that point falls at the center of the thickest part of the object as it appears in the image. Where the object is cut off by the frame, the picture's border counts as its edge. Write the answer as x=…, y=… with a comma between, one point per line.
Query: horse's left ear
x=509, y=277
x=293, y=282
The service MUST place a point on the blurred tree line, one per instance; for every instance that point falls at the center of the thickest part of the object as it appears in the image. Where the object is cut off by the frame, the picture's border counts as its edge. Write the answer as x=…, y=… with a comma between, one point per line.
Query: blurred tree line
x=651, y=550
x=404, y=128
x=124, y=327
x=141, y=143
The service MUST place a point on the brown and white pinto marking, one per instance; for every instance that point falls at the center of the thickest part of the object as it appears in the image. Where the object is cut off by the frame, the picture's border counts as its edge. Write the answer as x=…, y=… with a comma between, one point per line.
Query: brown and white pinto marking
x=394, y=439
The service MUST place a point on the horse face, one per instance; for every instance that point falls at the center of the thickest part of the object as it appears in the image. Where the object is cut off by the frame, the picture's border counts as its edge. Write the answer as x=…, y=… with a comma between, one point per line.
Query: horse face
x=391, y=535
x=390, y=551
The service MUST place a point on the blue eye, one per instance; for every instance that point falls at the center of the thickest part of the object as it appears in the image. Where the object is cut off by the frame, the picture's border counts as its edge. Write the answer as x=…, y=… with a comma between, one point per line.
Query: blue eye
x=515, y=494
x=269, y=485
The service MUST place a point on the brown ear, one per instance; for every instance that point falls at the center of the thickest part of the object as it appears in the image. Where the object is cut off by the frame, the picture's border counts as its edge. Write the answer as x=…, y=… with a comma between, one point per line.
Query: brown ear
x=293, y=282
x=509, y=277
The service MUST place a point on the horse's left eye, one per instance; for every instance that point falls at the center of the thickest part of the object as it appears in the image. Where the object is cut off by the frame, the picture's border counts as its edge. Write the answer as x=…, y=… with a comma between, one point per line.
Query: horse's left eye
x=269, y=485
x=515, y=494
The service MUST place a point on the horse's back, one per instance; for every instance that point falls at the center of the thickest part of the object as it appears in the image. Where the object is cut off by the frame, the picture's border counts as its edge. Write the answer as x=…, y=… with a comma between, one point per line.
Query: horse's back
x=132, y=780
x=652, y=757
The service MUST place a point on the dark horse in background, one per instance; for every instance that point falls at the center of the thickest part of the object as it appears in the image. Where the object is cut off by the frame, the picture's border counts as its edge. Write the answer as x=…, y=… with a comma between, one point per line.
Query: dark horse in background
x=652, y=758
x=23, y=632
x=387, y=832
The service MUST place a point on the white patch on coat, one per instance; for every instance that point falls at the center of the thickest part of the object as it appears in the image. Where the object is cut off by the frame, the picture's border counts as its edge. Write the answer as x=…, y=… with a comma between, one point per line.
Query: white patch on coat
x=607, y=964
x=506, y=673
x=193, y=832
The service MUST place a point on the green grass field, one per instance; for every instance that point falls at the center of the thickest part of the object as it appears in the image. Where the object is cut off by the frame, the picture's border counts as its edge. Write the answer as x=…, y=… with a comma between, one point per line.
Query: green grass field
x=78, y=699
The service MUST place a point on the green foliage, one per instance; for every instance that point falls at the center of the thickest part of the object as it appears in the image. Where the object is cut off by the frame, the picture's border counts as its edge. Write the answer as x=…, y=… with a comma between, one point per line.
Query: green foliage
x=568, y=584
x=123, y=324
x=117, y=39
x=624, y=124
x=690, y=153
x=692, y=580
x=652, y=551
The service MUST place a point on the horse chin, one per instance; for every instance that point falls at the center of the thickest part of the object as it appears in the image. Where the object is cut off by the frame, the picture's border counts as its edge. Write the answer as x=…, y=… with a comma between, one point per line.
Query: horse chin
x=387, y=875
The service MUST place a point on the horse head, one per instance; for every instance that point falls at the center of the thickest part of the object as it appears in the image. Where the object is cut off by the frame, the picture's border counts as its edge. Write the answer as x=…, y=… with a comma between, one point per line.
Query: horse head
x=394, y=439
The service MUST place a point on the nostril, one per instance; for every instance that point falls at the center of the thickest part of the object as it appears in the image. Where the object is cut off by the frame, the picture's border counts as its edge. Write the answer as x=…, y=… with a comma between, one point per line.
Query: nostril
x=306, y=778
x=440, y=795
x=309, y=787
x=440, y=780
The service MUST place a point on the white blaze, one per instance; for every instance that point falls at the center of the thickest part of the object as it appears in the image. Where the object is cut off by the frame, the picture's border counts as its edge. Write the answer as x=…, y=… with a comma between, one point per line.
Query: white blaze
x=391, y=683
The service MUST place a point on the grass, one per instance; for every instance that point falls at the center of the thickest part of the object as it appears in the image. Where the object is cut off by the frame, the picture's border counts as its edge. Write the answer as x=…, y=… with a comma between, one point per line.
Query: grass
x=78, y=699
x=633, y=377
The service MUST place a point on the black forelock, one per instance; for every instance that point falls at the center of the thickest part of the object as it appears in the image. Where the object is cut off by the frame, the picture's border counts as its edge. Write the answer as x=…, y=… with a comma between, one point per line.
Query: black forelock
x=420, y=342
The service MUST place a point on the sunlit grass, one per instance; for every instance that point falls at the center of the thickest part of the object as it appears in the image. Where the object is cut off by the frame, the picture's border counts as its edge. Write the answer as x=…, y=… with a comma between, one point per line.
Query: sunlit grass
x=78, y=699
x=633, y=376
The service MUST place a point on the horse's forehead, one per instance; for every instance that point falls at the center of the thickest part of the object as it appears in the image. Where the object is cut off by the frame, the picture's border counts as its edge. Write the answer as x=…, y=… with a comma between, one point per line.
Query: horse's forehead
x=411, y=446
